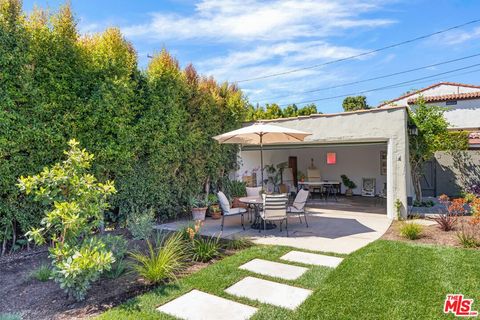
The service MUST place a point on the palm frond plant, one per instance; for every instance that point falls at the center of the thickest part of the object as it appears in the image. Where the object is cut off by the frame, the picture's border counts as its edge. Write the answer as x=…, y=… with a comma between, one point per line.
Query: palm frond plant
x=163, y=259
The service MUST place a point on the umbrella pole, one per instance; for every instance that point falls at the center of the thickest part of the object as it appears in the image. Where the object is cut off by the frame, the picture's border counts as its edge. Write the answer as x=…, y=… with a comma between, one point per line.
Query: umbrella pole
x=261, y=157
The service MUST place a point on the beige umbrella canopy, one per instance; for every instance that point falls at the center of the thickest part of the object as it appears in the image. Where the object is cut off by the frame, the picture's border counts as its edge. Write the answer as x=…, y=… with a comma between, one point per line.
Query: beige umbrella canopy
x=260, y=134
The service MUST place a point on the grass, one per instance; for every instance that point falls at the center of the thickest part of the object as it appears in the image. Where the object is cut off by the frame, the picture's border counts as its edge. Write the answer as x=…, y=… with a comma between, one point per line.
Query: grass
x=42, y=273
x=384, y=280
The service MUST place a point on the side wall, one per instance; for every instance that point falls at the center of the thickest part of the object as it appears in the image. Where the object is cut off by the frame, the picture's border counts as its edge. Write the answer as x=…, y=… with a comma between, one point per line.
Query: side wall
x=455, y=173
x=388, y=125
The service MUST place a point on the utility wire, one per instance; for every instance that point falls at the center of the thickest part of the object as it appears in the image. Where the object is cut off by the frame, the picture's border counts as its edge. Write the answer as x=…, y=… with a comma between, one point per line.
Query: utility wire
x=372, y=79
x=382, y=88
x=360, y=54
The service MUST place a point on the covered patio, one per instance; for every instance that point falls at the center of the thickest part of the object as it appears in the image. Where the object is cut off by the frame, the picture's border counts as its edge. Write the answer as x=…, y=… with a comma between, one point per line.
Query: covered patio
x=341, y=226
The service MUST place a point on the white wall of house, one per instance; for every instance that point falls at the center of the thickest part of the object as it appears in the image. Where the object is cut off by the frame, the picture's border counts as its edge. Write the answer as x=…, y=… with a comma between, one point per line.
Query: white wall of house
x=465, y=114
x=355, y=161
x=387, y=125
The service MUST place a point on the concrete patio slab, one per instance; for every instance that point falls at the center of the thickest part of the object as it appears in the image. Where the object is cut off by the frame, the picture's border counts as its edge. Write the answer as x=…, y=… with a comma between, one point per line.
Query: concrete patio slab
x=312, y=258
x=198, y=305
x=333, y=227
x=269, y=292
x=274, y=269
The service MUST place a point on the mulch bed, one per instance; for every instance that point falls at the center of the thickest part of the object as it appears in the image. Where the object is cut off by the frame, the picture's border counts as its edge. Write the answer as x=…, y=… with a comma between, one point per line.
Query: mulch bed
x=431, y=234
x=32, y=299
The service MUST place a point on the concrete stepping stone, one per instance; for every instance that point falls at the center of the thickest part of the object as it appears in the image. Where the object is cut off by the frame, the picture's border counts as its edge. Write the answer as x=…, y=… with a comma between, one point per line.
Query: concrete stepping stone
x=274, y=269
x=312, y=258
x=198, y=305
x=277, y=294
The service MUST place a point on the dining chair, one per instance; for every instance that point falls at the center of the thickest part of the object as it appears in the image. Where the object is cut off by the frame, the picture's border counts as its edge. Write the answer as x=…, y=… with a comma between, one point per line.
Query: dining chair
x=227, y=210
x=298, y=205
x=274, y=209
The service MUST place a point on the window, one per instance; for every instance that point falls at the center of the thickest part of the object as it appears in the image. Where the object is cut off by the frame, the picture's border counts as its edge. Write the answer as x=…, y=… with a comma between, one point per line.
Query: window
x=451, y=103
x=331, y=157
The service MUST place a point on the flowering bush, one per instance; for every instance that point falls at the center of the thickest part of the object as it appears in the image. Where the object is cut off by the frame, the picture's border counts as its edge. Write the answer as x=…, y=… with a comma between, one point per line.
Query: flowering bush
x=455, y=208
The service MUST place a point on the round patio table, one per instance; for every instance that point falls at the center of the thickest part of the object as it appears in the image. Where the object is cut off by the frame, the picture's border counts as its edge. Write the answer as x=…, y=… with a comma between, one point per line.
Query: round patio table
x=256, y=202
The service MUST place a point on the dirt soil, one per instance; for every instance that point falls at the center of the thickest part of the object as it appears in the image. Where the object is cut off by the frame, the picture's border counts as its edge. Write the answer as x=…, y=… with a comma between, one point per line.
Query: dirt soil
x=431, y=234
x=32, y=299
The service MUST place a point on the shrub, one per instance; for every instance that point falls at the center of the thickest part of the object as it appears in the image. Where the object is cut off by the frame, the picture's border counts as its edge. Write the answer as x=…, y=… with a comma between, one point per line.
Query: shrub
x=468, y=239
x=140, y=223
x=76, y=203
x=163, y=259
x=42, y=273
x=238, y=243
x=411, y=230
x=455, y=208
x=446, y=222
x=118, y=245
x=205, y=249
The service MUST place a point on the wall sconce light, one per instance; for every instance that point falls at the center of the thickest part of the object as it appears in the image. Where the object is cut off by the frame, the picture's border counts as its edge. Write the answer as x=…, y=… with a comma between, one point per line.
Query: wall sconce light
x=412, y=129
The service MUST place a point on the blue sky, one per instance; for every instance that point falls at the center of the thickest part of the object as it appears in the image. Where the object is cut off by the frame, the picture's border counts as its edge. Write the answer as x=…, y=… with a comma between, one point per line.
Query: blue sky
x=242, y=39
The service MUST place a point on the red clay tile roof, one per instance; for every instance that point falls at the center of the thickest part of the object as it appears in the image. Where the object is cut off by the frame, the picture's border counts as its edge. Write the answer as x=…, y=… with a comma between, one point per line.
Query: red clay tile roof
x=427, y=88
x=448, y=97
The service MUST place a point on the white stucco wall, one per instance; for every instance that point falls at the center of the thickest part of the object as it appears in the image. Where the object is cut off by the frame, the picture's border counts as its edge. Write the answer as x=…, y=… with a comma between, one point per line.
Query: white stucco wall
x=378, y=125
x=465, y=114
x=355, y=161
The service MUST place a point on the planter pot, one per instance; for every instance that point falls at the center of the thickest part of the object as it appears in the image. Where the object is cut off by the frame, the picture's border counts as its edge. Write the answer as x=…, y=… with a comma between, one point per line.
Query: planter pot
x=199, y=213
x=217, y=214
x=349, y=192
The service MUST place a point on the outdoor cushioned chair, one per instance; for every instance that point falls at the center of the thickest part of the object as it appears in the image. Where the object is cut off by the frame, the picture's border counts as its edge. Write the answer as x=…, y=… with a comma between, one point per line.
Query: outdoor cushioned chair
x=274, y=209
x=229, y=211
x=298, y=205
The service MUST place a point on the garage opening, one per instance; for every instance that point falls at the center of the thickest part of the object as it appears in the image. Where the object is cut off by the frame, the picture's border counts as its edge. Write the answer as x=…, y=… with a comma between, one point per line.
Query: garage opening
x=320, y=168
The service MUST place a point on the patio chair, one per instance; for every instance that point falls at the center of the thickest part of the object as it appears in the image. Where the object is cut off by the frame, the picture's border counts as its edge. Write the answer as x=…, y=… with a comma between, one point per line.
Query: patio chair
x=298, y=205
x=313, y=175
x=274, y=209
x=227, y=210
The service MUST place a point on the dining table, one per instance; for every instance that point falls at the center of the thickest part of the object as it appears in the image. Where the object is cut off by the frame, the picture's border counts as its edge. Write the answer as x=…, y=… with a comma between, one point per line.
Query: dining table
x=256, y=202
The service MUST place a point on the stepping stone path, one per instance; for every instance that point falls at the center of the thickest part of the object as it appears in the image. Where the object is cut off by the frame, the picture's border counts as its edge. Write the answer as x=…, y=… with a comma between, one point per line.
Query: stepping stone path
x=270, y=292
x=312, y=258
x=198, y=305
x=274, y=269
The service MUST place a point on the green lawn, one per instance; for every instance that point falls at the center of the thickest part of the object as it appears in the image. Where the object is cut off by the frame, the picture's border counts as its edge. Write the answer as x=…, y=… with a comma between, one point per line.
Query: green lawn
x=385, y=280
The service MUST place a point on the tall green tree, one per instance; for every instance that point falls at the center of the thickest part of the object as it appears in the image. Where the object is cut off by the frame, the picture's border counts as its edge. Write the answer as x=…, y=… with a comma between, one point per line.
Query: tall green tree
x=308, y=110
x=355, y=103
x=432, y=136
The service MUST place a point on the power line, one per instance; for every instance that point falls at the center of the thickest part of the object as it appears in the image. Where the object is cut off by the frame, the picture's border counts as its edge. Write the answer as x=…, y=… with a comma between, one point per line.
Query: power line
x=360, y=54
x=382, y=88
x=374, y=78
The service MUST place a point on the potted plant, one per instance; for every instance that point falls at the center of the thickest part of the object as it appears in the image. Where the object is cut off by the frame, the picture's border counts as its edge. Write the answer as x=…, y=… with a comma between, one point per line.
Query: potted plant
x=349, y=184
x=214, y=208
x=300, y=176
x=199, y=208
x=235, y=190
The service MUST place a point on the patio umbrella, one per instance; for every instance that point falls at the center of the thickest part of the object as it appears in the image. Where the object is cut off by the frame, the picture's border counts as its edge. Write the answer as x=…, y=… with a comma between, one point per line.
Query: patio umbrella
x=260, y=134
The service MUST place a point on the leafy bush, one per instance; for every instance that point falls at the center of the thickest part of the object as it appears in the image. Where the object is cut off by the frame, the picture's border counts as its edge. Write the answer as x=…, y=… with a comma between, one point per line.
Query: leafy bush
x=163, y=259
x=446, y=222
x=411, y=230
x=235, y=189
x=118, y=245
x=42, y=273
x=205, y=249
x=347, y=182
x=238, y=244
x=76, y=267
x=76, y=203
x=140, y=223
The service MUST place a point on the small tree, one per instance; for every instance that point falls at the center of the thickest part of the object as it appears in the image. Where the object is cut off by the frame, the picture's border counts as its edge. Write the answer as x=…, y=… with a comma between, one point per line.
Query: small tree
x=355, y=103
x=76, y=203
x=432, y=136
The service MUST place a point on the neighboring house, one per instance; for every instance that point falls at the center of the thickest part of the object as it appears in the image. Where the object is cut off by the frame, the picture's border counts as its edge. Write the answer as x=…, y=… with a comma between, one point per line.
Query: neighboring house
x=463, y=101
x=446, y=174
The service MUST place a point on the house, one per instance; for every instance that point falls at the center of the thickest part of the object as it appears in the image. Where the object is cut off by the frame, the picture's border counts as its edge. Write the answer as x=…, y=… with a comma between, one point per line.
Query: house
x=368, y=144
x=462, y=101
x=446, y=173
